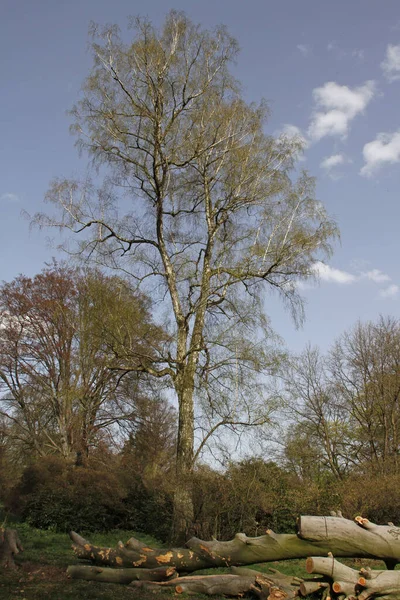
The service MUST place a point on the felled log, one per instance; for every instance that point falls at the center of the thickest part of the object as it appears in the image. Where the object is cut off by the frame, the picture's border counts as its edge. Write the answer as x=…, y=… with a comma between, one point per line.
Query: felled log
x=342, y=537
x=123, y=576
x=10, y=546
x=272, y=580
x=215, y=585
x=349, y=583
x=135, y=554
x=316, y=535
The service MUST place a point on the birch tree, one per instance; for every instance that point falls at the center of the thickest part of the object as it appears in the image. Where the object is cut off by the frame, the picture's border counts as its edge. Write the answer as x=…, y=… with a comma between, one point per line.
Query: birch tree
x=197, y=205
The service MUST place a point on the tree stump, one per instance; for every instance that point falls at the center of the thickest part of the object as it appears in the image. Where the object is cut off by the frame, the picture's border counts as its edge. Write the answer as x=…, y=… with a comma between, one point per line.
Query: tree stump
x=10, y=546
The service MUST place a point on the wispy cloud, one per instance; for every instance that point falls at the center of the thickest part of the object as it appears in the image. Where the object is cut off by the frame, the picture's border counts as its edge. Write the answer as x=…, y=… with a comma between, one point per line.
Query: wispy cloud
x=305, y=49
x=9, y=197
x=330, y=163
x=390, y=292
x=326, y=273
x=391, y=65
x=330, y=274
x=376, y=275
x=335, y=49
x=342, y=53
x=336, y=106
x=384, y=150
x=358, y=53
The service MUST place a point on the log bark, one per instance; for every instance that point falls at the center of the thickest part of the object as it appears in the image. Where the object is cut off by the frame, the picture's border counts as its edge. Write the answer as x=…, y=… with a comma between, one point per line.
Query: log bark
x=210, y=585
x=342, y=537
x=124, y=576
x=273, y=579
x=134, y=554
x=224, y=584
x=10, y=546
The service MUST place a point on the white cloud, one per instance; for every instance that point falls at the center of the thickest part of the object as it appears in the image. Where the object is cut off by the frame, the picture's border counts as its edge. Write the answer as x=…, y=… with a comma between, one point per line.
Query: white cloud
x=336, y=106
x=9, y=197
x=328, y=274
x=391, y=65
x=330, y=164
x=385, y=149
x=376, y=275
x=332, y=275
x=305, y=49
x=332, y=161
x=390, y=292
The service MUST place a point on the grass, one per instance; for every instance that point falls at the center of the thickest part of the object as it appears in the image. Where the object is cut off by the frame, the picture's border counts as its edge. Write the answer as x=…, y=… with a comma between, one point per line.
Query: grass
x=41, y=572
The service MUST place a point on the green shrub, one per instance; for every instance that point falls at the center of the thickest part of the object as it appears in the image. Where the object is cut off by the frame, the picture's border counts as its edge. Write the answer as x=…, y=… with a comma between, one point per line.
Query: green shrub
x=148, y=510
x=53, y=494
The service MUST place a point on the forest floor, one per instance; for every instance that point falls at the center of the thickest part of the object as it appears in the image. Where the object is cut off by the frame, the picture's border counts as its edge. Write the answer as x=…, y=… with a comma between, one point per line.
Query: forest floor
x=41, y=572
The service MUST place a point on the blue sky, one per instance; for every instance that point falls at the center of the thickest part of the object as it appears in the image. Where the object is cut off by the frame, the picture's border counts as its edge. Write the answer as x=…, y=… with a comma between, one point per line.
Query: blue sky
x=330, y=72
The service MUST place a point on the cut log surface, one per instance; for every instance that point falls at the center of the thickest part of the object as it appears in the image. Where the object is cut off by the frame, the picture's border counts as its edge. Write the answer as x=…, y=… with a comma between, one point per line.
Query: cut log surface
x=10, y=546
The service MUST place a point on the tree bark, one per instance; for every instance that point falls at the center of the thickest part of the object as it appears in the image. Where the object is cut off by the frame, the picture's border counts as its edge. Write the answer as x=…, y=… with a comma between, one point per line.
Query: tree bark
x=10, y=546
x=183, y=495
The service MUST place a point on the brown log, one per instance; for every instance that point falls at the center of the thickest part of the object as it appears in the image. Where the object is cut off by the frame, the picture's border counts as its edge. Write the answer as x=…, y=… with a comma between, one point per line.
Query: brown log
x=124, y=576
x=10, y=546
x=271, y=579
x=210, y=585
x=123, y=556
x=310, y=587
x=224, y=584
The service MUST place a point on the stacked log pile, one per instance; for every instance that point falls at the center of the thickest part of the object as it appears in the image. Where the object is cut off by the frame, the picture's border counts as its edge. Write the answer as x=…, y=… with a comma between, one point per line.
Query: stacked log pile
x=319, y=539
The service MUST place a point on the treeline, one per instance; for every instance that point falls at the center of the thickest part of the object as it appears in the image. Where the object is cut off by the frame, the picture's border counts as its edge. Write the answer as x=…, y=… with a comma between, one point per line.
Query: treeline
x=88, y=442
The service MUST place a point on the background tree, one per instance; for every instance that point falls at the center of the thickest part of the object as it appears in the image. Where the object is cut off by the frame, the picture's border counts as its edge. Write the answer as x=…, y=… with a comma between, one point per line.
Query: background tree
x=321, y=436
x=365, y=367
x=197, y=205
x=55, y=378
x=345, y=405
